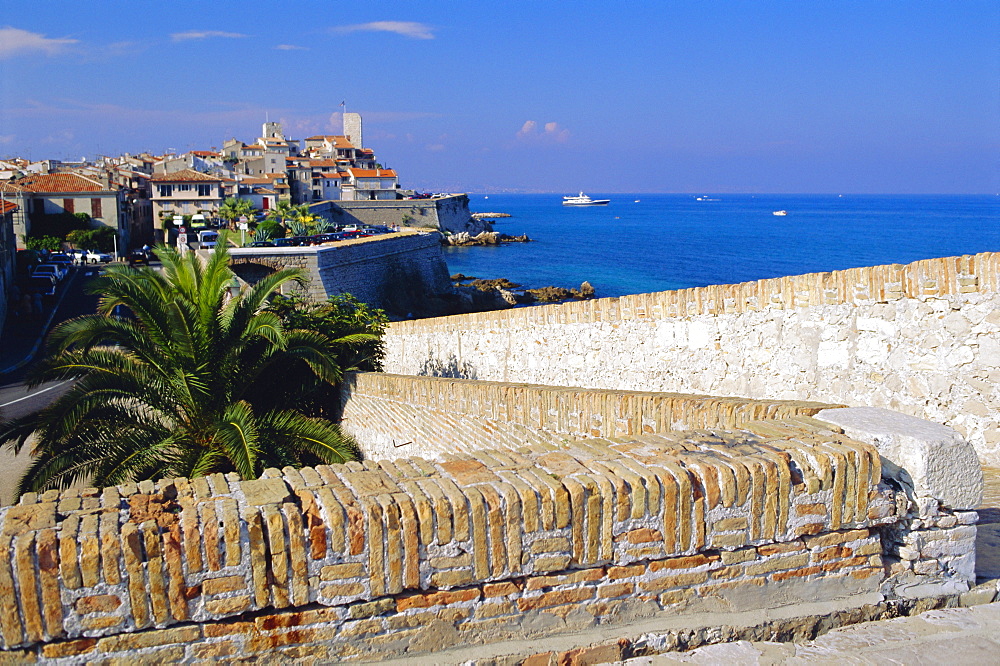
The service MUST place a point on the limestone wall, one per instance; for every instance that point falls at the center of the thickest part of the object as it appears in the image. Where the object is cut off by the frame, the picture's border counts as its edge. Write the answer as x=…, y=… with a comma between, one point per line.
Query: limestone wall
x=396, y=272
x=406, y=415
x=922, y=339
x=447, y=214
x=368, y=560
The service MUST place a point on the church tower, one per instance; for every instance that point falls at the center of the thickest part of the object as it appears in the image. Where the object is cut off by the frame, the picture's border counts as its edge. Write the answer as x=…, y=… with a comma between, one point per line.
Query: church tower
x=352, y=129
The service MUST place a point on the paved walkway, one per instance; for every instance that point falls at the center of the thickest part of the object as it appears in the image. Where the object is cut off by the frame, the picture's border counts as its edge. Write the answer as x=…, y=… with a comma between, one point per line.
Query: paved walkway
x=949, y=636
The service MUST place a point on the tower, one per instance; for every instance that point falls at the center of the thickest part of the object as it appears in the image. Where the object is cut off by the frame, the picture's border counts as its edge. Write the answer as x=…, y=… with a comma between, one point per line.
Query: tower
x=272, y=131
x=352, y=129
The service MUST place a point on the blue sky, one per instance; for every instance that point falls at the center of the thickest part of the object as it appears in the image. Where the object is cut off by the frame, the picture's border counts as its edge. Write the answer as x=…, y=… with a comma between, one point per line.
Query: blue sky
x=883, y=96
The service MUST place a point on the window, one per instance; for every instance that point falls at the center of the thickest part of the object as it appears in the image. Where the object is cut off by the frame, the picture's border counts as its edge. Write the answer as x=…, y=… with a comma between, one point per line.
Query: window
x=166, y=190
x=68, y=205
x=95, y=208
x=184, y=187
x=204, y=190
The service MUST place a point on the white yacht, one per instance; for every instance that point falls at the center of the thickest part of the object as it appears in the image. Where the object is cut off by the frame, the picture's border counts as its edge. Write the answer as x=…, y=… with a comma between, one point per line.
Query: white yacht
x=780, y=213
x=583, y=200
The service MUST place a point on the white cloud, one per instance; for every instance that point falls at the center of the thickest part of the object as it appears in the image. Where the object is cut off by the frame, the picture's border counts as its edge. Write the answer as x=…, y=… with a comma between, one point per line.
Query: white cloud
x=551, y=131
x=291, y=47
x=7, y=138
x=435, y=147
x=405, y=28
x=14, y=42
x=204, y=34
x=555, y=132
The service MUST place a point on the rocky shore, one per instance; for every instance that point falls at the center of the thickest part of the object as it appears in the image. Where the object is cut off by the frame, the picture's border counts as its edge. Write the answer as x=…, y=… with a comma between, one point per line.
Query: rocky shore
x=500, y=293
x=489, y=216
x=484, y=238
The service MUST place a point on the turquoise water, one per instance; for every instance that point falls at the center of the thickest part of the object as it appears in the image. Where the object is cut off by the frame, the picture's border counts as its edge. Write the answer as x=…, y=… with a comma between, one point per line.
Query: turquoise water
x=673, y=241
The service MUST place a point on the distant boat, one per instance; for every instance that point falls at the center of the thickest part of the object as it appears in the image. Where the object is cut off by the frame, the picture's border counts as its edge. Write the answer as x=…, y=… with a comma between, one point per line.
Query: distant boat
x=706, y=198
x=780, y=213
x=583, y=200
x=637, y=201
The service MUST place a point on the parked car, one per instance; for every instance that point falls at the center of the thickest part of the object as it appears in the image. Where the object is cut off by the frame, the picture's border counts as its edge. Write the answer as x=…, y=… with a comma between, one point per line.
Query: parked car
x=61, y=259
x=207, y=238
x=90, y=257
x=293, y=241
x=137, y=257
x=262, y=244
x=55, y=270
x=99, y=258
x=319, y=239
x=43, y=283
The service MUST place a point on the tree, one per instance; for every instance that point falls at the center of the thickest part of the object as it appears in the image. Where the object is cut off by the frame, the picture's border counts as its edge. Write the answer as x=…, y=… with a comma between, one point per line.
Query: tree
x=198, y=378
x=50, y=243
x=234, y=208
x=281, y=212
x=355, y=331
x=101, y=239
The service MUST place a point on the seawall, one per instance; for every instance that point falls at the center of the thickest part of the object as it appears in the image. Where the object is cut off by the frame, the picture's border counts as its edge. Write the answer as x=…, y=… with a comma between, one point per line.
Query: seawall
x=446, y=214
x=921, y=338
x=397, y=272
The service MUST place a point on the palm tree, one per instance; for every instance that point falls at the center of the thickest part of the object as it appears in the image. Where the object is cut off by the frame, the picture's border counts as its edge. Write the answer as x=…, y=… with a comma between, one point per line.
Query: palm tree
x=192, y=382
x=234, y=208
x=283, y=210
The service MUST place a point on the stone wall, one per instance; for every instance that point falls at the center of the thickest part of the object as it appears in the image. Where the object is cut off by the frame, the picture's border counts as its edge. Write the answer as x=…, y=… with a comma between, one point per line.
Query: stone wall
x=922, y=339
x=369, y=560
x=396, y=272
x=446, y=214
x=406, y=415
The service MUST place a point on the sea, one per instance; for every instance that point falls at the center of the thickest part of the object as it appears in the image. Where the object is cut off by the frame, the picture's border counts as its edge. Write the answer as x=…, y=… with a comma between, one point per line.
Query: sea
x=655, y=242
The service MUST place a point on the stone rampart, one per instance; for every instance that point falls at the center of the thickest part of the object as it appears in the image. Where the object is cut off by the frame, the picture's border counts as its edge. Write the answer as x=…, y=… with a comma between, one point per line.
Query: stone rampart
x=376, y=559
x=397, y=272
x=406, y=415
x=397, y=553
x=447, y=214
x=922, y=339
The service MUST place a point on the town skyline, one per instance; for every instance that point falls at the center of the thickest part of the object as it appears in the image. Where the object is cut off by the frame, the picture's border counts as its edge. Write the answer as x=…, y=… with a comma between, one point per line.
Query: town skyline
x=715, y=97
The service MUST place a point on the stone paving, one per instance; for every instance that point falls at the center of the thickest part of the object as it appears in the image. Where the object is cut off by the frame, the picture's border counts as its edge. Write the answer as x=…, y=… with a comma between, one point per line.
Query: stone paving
x=947, y=636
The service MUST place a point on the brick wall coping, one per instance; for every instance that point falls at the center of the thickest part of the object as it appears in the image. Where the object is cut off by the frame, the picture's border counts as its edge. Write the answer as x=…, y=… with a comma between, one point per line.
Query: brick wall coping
x=585, y=412
x=928, y=278
x=110, y=562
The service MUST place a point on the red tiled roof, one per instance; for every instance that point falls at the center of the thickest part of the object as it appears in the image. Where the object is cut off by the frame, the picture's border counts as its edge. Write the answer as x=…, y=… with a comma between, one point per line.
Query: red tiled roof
x=7, y=207
x=186, y=175
x=323, y=163
x=373, y=173
x=205, y=153
x=59, y=182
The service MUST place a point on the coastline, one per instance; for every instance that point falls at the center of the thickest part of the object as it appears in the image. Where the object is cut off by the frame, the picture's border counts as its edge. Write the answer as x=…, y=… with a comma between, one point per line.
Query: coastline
x=675, y=242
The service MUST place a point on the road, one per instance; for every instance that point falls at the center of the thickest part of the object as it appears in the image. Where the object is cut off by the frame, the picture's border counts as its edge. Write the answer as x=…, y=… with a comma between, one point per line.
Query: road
x=17, y=400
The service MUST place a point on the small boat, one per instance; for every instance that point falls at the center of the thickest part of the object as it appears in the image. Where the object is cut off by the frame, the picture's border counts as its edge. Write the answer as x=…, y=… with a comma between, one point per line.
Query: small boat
x=583, y=200
x=780, y=213
x=637, y=201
